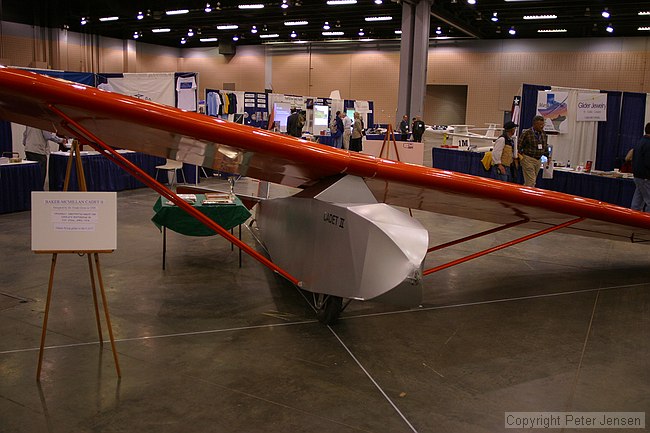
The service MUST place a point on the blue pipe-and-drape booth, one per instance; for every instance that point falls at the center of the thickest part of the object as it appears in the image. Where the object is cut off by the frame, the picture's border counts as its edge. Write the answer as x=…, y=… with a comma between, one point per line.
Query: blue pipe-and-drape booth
x=632, y=121
x=607, y=150
x=529, y=104
x=622, y=130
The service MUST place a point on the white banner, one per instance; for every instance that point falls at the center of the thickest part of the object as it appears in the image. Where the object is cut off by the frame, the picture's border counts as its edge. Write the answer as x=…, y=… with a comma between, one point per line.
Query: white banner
x=592, y=107
x=156, y=87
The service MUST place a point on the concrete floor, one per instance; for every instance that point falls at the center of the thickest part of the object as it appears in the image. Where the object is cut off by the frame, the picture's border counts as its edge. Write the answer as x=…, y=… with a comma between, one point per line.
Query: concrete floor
x=560, y=323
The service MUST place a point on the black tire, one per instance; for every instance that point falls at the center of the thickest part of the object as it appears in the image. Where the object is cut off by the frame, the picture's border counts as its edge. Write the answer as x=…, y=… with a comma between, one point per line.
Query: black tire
x=330, y=311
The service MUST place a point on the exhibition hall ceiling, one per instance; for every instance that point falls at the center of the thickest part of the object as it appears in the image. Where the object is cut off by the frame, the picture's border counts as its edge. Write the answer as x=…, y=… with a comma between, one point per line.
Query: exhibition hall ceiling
x=252, y=22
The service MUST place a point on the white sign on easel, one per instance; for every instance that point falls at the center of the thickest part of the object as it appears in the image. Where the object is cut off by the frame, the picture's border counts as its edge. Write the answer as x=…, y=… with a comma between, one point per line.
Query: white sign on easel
x=74, y=221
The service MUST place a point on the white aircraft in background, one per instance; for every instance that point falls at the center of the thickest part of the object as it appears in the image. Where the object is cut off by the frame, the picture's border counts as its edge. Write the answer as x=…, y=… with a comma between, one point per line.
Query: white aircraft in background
x=464, y=137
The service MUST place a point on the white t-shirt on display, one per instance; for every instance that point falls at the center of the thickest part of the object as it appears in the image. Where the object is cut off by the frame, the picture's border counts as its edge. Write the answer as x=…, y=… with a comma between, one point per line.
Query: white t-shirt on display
x=186, y=93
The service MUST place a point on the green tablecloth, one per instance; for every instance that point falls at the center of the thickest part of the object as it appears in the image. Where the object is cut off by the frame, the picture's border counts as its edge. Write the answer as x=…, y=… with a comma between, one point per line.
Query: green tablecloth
x=176, y=219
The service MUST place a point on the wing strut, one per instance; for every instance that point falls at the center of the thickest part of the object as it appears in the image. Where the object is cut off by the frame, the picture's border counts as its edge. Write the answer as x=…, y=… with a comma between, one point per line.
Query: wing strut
x=478, y=235
x=89, y=138
x=496, y=248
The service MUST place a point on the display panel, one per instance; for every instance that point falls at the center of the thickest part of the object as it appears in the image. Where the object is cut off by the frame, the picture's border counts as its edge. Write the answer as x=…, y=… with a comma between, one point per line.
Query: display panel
x=281, y=111
x=321, y=114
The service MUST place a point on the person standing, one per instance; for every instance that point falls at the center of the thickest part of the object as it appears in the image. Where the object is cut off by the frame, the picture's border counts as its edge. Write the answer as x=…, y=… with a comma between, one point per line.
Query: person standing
x=533, y=144
x=294, y=128
x=641, y=171
x=503, y=153
x=418, y=129
x=37, y=147
x=357, y=133
x=404, y=127
x=337, y=132
x=347, y=131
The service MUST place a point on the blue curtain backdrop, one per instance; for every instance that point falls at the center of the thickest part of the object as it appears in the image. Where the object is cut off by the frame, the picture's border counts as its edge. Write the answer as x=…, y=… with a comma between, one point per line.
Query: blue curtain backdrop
x=632, y=118
x=607, y=145
x=6, y=144
x=87, y=78
x=529, y=104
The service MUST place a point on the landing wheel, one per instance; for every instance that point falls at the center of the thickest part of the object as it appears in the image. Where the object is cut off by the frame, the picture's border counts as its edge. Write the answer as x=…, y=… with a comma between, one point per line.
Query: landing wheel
x=328, y=308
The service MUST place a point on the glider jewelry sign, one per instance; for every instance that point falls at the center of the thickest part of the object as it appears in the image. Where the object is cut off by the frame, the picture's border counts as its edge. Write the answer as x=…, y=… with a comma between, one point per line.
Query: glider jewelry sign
x=74, y=221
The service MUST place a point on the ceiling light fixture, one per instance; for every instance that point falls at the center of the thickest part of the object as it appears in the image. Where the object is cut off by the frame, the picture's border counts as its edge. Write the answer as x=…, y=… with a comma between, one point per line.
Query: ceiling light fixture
x=190, y=33
x=326, y=26
x=378, y=2
x=84, y=21
x=293, y=34
x=251, y=6
x=183, y=41
x=540, y=17
x=398, y=32
x=644, y=29
x=177, y=12
x=296, y=23
x=512, y=31
x=284, y=4
x=332, y=33
x=161, y=30
x=438, y=31
x=208, y=9
x=254, y=29
x=378, y=18
x=209, y=39
x=109, y=19
x=227, y=27
x=494, y=17
x=361, y=32
x=136, y=35
x=140, y=15
x=610, y=29
x=552, y=31
x=471, y=2
x=235, y=38
x=605, y=13
x=644, y=12
x=269, y=35
x=341, y=2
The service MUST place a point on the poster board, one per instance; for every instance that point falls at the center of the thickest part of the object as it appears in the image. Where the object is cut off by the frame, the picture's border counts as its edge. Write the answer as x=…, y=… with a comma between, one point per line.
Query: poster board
x=74, y=221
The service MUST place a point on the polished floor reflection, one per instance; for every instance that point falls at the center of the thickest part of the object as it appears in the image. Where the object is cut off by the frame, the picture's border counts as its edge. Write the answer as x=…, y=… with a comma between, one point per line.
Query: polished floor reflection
x=559, y=323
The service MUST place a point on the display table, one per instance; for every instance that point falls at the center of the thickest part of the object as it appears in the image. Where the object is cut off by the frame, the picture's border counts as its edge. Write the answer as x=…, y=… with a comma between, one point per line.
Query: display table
x=17, y=181
x=104, y=175
x=615, y=190
x=168, y=215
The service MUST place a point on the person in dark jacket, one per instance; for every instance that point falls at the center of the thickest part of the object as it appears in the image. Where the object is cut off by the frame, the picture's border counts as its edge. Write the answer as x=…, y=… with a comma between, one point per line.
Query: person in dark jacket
x=417, y=129
x=338, y=134
x=641, y=171
x=404, y=127
x=294, y=128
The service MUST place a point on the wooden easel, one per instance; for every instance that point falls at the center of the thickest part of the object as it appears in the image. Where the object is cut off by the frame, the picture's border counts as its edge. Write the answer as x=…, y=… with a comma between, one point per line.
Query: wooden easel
x=390, y=136
x=81, y=180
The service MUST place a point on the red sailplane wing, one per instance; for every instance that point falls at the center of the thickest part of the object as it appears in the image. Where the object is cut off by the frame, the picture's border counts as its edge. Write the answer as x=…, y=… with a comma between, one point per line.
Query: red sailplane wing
x=127, y=122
